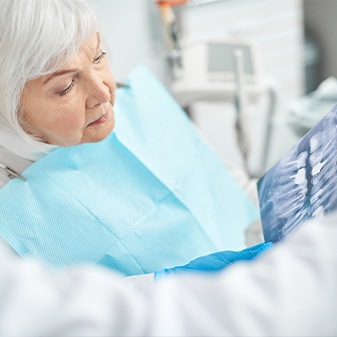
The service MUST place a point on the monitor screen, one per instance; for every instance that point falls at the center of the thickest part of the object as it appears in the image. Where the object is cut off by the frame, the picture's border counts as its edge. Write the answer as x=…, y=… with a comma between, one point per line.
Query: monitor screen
x=221, y=58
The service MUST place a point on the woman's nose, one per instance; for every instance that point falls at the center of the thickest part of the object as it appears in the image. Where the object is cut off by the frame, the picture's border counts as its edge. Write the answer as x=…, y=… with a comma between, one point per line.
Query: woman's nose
x=98, y=92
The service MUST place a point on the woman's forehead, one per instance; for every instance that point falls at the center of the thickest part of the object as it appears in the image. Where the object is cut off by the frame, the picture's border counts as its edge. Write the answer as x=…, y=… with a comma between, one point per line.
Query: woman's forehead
x=87, y=50
x=91, y=44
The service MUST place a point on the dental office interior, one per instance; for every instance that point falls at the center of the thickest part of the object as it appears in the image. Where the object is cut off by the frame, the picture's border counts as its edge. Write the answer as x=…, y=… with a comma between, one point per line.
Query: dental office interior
x=253, y=75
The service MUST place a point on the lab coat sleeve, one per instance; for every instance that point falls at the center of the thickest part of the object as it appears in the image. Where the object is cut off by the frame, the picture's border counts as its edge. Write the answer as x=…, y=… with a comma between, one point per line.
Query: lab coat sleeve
x=289, y=291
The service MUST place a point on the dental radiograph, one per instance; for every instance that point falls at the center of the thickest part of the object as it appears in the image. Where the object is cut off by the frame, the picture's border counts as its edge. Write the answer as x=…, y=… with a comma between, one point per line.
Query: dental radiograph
x=302, y=184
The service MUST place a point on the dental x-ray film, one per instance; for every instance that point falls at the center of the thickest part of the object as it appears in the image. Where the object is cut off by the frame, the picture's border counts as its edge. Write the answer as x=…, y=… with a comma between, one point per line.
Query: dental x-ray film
x=303, y=184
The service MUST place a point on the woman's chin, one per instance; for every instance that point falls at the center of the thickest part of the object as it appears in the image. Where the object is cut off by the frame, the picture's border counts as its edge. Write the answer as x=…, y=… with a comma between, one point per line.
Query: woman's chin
x=97, y=133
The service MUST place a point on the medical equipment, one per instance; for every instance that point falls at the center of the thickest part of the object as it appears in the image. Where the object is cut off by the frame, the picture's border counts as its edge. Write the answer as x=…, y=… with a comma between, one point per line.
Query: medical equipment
x=308, y=110
x=224, y=69
x=170, y=31
x=227, y=70
x=12, y=173
x=210, y=71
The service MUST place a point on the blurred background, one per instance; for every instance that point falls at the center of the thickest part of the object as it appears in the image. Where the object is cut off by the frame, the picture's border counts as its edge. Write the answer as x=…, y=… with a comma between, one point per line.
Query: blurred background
x=253, y=75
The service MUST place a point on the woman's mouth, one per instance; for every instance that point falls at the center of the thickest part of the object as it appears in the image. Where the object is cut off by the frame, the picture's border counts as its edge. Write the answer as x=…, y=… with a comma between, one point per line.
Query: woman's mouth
x=100, y=120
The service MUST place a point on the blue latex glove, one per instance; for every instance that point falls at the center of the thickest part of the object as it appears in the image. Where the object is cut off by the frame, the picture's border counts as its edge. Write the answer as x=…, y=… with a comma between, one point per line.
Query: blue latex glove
x=217, y=261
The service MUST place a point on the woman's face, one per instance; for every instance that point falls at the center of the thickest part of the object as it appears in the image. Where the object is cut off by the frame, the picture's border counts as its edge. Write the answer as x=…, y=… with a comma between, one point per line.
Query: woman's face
x=75, y=104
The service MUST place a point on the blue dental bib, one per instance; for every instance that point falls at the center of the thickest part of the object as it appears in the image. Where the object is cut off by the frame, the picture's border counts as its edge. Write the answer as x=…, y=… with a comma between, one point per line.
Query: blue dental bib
x=151, y=195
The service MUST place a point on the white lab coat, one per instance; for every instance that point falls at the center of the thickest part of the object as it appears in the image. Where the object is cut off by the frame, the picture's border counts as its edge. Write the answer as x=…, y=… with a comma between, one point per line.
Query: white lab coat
x=290, y=290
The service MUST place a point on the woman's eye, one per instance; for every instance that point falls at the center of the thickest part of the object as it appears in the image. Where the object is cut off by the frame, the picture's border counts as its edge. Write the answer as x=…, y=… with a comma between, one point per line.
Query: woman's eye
x=67, y=90
x=99, y=58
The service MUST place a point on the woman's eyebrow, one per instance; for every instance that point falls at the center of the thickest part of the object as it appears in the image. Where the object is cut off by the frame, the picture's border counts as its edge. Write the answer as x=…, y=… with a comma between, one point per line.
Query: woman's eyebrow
x=67, y=71
x=60, y=73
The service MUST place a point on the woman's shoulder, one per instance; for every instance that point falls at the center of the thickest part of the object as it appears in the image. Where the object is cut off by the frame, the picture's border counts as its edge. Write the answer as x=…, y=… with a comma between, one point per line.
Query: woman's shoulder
x=12, y=161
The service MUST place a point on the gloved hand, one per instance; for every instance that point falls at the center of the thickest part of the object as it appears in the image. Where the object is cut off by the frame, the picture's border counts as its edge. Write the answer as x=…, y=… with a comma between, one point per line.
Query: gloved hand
x=216, y=262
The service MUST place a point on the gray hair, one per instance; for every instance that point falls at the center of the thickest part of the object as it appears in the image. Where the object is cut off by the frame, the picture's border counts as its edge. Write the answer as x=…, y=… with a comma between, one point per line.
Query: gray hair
x=37, y=37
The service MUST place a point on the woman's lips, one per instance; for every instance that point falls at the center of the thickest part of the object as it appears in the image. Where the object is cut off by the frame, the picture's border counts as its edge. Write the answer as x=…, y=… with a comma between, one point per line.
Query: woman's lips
x=100, y=120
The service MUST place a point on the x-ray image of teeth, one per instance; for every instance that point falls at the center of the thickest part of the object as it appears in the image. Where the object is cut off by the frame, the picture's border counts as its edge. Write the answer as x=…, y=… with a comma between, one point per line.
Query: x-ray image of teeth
x=303, y=184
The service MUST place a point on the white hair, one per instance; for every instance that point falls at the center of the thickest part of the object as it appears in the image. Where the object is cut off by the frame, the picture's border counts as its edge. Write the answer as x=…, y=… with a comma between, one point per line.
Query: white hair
x=37, y=37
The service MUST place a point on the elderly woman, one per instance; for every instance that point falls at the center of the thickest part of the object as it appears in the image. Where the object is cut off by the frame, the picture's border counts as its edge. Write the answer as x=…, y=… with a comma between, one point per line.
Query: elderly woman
x=57, y=88
x=56, y=92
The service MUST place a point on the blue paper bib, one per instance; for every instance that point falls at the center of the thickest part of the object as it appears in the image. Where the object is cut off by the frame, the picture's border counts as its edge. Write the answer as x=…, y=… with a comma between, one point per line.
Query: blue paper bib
x=151, y=195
